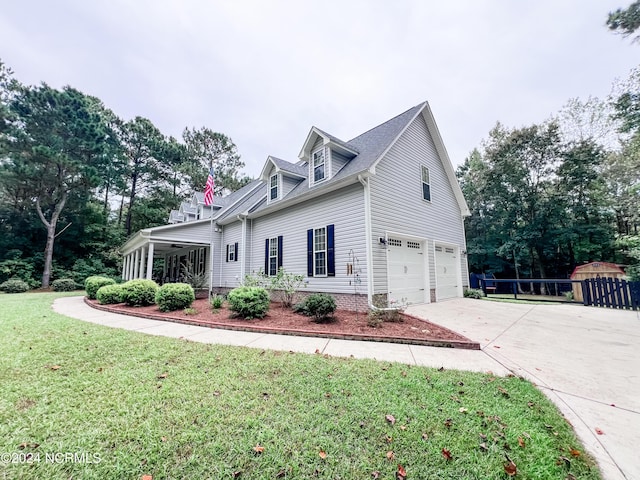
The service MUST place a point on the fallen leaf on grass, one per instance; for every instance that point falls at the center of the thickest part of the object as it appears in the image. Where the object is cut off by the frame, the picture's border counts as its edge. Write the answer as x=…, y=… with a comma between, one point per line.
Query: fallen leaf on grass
x=390, y=418
x=448, y=422
x=599, y=432
x=462, y=410
x=164, y=439
x=281, y=474
x=425, y=436
x=375, y=475
x=521, y=442
x=570, y=476
x=446, y=454
x=483, y=447
x=402, y=473
x=54, y=367
x=258, y=448
x=510, y=468
x=322, y=454
x=388, y=439
x=390, y=455
x=146, y=477
x=574, y=452
x=403, y=427
x=163, y=375
x=565, y=461
x=503, y=391
x=237, y=474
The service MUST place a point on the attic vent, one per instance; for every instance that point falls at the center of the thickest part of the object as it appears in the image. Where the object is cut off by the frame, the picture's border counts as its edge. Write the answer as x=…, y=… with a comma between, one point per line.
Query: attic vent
x=448, y=250
x=438, y=249
x=411, y=244
x=394, y=242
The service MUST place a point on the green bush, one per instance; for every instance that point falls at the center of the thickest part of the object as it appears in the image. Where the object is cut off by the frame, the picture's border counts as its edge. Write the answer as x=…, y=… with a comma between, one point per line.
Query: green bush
x=249, y=302
x=109, y=294
x=139, y=293
x=473, y=293
x=321, y=306
x=217, y=301
x=174, y=296
x=93, y=283
x=14, y=285
x=63, y=285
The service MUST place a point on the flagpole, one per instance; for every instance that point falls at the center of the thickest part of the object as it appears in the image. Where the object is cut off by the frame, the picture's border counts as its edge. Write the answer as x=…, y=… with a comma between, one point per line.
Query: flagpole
x=209, y=194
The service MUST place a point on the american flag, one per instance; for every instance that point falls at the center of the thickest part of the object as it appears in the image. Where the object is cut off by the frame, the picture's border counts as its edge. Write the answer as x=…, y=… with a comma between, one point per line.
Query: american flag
x=208, y=188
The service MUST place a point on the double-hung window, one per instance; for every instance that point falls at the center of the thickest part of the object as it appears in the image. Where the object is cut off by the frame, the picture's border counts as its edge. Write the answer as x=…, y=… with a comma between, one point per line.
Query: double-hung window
x=273, y=255
x=232, y=252
x=273, y=187
x=319, y=164
x=321, y=252
x=426, y=184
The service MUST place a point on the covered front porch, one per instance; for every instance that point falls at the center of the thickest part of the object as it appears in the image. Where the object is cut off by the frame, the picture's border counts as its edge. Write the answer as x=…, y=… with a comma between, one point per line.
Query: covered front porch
x=184, y=253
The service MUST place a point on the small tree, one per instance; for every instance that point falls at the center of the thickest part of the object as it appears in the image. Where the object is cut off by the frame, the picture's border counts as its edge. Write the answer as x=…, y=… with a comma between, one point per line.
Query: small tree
x=285, y=285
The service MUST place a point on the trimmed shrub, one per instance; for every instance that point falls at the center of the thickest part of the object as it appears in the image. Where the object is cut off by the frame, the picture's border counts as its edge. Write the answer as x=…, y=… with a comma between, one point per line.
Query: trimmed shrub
x=14, y=285
x=321, y=306
x=93, y=283
x=109, y=294
x=249, y=302
x=473, y=293
x=174, y=296
x=63, y=285
x=139, y=293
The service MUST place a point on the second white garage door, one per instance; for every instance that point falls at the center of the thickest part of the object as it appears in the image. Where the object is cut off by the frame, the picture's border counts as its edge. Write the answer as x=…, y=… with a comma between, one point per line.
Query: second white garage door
x=406, y=263
x=446, y=272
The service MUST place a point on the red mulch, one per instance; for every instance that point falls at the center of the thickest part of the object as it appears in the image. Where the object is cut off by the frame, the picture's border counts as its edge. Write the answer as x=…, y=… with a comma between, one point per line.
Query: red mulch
x=346, y=325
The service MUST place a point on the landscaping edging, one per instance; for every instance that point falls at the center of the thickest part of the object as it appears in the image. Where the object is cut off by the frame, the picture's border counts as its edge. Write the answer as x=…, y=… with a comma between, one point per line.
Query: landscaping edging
x=467, y=345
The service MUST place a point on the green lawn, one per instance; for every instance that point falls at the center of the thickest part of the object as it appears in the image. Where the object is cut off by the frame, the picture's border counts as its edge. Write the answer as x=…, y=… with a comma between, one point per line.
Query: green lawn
x=129, y=405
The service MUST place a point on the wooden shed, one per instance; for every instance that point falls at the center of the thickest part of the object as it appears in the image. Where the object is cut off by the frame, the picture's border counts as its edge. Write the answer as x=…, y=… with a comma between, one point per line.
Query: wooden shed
x=593, y=270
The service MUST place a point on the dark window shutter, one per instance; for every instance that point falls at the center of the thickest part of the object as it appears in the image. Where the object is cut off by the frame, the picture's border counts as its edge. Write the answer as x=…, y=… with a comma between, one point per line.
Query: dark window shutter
x=310, y=253
x=279, y=252
x=236, y=254
x=331, y=255
x=227, y=252
x=266, y=257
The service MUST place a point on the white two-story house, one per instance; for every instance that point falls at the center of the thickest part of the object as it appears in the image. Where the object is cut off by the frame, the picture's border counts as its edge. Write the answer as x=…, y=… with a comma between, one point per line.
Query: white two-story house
x=377, y=219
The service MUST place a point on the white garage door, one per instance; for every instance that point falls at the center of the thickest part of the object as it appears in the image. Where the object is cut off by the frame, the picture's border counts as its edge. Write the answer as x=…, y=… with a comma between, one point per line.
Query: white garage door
x=406, y=261
x=446, y=272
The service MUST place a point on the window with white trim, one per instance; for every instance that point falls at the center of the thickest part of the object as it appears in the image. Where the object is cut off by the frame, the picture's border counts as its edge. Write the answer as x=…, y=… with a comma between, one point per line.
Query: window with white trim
x=273, y=256
x=320, y=251
x=201, y=261
x=273, y=187
x=426, y=184
x=232, y=252
x=319, y=164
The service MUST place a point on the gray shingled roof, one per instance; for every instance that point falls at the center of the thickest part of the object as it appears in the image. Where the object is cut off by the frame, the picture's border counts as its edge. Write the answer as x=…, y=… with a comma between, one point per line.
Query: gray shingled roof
x=371, y=146
x=240, y=205
x=186, y=207
x=337, y=141
x=290, y=167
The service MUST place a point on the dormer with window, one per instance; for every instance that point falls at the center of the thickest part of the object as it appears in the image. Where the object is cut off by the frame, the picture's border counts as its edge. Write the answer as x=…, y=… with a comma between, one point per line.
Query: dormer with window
x=324, y=155
x=281, y=177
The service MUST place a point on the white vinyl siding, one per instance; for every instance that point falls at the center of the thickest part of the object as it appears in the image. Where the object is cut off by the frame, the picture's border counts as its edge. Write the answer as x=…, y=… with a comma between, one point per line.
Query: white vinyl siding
x=343, y=208
x=288, y=184
x=230, y=272
x=397, y=205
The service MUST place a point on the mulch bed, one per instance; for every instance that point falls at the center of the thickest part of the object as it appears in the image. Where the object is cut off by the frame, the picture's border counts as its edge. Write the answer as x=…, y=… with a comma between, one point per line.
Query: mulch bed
x=346, y=324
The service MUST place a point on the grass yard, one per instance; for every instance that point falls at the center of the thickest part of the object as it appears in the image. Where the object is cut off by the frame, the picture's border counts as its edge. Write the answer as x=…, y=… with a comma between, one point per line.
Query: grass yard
x=83, y=401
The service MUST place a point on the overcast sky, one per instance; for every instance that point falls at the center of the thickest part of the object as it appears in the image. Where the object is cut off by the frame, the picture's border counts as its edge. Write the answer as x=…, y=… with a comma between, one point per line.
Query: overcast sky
x=265, y=71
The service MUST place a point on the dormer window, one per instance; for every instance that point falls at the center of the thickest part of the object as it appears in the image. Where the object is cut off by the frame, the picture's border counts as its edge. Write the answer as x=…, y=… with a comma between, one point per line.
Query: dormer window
x=318, y=160
x=273, y=187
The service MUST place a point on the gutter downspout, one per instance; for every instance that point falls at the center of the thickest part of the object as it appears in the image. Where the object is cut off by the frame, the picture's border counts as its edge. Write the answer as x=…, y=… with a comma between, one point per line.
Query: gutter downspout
x=364, y=180
x=243, y=238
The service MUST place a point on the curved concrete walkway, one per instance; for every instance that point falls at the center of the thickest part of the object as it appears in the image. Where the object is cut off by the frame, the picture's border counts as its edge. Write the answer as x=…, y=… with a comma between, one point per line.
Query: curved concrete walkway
x=585, y=359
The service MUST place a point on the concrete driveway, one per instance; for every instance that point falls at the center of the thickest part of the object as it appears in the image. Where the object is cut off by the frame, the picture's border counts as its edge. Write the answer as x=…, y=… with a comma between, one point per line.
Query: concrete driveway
x=585, y=359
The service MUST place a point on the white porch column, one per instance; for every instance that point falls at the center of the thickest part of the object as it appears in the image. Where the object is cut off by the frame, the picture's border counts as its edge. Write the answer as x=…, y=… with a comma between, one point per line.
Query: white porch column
x=124, y=266
x=143, y=263
x=130, y=266
x=150, y=261
x=136, y=265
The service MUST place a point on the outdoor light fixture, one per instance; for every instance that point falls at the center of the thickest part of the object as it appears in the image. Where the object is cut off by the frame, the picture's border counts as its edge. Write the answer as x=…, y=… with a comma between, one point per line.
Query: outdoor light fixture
x=383, y=240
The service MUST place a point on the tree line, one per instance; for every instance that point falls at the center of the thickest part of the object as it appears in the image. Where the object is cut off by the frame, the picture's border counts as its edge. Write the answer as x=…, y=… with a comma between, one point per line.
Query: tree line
x=76, y=180
x=546, y=198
